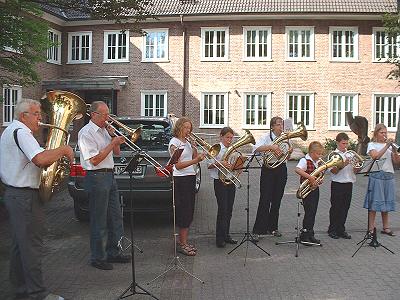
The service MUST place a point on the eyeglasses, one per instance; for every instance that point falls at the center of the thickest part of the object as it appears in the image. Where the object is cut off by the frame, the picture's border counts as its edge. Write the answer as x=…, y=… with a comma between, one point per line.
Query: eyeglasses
x=36, y=114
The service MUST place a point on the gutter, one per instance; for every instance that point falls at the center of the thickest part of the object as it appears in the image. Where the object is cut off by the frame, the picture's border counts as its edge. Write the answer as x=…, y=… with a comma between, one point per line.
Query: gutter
x=184, y=73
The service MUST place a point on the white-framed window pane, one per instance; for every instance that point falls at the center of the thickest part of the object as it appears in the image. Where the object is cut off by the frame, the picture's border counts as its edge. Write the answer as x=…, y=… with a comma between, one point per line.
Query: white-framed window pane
x=256, y=109
x=156, y=45
x=340, y=104
x=300, y=109
x=116, y=48
x=213, y=109
x=79, y=47
x=256, y=43
x=54, y=52
x=11, y=94
x=386, y=111
x=154, y=104
x=344, y=43
x=214, y=43
x=385, y=47
x=250, y=109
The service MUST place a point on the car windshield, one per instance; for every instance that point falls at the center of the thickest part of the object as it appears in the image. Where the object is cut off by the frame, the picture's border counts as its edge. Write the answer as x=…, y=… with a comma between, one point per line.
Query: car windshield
x=154, y=136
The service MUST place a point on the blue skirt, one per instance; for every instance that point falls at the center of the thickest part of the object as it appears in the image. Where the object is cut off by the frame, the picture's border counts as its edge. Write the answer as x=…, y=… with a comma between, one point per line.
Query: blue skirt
x=381, y=194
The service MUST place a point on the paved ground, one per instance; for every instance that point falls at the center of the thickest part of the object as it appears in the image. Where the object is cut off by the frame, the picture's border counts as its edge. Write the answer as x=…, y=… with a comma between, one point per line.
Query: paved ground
x=327, y=272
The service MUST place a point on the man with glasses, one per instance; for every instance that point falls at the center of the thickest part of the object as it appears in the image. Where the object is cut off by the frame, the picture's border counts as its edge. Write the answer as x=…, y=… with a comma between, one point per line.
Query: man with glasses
x=96, y=156
x=21, y=162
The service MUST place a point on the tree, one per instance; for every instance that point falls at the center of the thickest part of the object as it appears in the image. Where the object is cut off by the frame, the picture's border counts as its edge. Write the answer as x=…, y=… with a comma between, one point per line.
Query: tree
x=24, y=35
x=392, y=29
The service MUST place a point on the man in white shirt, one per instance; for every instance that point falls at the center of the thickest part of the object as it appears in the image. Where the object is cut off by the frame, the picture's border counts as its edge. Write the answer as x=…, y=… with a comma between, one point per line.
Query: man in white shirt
x=96, y=156
x=21, y=162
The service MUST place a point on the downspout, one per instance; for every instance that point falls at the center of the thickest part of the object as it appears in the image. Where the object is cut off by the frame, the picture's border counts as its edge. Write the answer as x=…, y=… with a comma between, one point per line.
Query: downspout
x=184, y=73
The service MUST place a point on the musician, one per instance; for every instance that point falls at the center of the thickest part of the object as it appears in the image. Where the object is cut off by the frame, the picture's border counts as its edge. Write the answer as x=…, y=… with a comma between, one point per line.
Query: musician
x=184, y=182
x=381, y=194
x=341, y=190
x=225, y=193
x=304, y=168
x=272, y=183
x=21, y=162
x=96, y=156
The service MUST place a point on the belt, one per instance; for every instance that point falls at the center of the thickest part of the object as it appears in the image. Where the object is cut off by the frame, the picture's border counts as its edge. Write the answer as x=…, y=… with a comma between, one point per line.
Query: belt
x=103, y=170
x=21, y=188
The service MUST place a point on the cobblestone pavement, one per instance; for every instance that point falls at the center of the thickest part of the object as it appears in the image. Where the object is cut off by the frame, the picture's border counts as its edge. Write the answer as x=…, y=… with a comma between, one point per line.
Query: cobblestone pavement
x=327, y=272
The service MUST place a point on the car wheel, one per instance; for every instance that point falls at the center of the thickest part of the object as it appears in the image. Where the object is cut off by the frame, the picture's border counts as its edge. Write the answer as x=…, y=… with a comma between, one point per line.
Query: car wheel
x=80, y=214
x=198, y=178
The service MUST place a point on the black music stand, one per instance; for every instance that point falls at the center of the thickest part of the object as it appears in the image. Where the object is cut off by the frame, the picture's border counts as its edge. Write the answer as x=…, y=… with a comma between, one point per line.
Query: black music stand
x=175, y=262
x=248, y=237
x=130, y=168
x=372, y=237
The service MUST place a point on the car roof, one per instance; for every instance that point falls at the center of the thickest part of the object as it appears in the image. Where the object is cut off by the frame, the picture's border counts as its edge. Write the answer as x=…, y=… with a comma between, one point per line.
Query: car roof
x=145, y=120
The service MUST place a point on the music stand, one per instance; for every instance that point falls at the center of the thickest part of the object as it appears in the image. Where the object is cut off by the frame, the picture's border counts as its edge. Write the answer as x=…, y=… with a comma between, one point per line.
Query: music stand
x=175, y=262
x=248, y=237
x=130, y=168
x=372, y=237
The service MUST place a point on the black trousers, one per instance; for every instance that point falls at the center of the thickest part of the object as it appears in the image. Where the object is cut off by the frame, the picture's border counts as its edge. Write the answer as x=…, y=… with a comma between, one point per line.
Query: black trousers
x=340, y=203
x=225, y=195
x=310, y=204
x=272, y=186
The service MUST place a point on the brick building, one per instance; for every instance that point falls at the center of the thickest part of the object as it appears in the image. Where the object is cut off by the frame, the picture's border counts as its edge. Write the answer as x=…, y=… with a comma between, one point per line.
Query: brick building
x=230, y=62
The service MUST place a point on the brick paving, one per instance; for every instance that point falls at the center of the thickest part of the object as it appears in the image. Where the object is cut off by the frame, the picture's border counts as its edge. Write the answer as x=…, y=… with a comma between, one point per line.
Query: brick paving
x=327, y=272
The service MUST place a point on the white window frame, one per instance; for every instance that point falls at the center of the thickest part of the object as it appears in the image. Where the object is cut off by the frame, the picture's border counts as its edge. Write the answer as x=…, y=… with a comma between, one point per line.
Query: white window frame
x=257, y=96
x=203, y=45
x=153, y=93
x=311, y=106
x=80, y=34
x=257, y=44
x=156, y=46
x=299, y=29
x=386, y=111
x=54, y=50
x=107, y=47
x=343, y=110
x=386, y=46
x=10, y=107
x=343, y=51
x=214, y=110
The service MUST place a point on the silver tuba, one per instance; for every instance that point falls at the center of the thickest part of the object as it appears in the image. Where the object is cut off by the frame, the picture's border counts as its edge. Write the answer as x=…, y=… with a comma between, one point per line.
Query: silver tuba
x=62, y=108
x=235, y=158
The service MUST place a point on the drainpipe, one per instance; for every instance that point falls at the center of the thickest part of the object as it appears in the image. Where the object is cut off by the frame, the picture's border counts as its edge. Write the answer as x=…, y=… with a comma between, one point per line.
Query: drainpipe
x=184, y=73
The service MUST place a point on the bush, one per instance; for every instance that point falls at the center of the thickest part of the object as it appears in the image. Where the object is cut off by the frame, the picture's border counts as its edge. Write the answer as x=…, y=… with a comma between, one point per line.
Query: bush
x=330, y=144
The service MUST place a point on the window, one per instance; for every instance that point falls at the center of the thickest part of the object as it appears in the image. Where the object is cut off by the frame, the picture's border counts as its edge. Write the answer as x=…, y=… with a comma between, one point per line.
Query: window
x=79, y=47
x=384, y=47
x=154, y=103
x=257, y=109
x=214, y=44
x=214, y=110
x=386, y=109
x=299, y=43
x=155, y=45
x=11, y=94
x=54, y=52
x=301, y=108
x=257, y=43
x=343, y=43
x=340, y=104
x=116, y=46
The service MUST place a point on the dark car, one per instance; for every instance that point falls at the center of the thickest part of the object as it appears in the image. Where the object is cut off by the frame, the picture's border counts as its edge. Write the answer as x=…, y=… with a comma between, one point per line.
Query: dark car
x=150, y=192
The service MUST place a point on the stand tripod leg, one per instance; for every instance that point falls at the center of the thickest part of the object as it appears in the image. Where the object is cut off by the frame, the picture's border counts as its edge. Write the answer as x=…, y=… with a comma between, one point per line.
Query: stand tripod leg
x=132, y=288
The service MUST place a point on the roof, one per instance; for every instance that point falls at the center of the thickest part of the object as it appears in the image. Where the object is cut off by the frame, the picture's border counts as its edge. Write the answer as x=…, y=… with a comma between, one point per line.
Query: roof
x=164, y=8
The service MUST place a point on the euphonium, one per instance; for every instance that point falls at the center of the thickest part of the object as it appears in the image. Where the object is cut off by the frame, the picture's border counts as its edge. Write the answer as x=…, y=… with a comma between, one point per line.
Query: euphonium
x=235, y=158
x=306, y=188
x=283, y=142
x=62, y=108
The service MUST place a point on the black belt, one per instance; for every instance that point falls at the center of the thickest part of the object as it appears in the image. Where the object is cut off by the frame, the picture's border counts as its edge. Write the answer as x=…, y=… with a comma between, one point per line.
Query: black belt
x=104, y=170
x=21, y=188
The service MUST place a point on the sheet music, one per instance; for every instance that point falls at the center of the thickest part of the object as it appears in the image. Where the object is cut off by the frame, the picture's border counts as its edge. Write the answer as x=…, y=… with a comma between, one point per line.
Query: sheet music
x=371, y=166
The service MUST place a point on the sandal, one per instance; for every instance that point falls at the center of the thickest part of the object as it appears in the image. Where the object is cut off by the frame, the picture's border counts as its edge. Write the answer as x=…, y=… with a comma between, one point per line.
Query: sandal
x=185, y=250
x=388, y=232
x=192, y=247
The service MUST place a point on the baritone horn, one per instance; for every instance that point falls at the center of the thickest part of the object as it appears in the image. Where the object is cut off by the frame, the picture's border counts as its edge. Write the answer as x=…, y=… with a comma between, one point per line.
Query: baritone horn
x=235, y=158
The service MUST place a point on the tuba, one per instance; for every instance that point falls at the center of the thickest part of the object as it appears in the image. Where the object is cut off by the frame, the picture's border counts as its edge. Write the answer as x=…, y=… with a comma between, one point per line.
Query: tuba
x=356, y=160
x=283, y=142
x=62, y=108
x=306, y=188
x=235, y=158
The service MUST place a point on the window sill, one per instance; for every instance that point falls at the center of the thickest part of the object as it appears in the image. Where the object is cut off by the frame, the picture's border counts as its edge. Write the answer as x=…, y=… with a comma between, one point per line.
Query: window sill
x=344, y=61
x=156, y=61
x=115, y=61
x=78, y=62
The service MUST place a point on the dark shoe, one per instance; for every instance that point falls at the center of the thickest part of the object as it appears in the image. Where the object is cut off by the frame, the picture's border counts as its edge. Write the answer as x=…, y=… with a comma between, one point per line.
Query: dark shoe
x=345, y=236
x=374, y=243
x=333, y=235
x=121, y=259
x=388, y=232
x=276, y=233
x=21, y=295
x=102, y=265
x=231, y=241
x=256, y=237
x=221, y=244
x=314, y=240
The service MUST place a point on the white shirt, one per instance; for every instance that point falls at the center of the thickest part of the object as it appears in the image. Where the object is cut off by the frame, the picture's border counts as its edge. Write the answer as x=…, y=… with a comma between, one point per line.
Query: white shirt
x=214, y=172
x=17, y=168
x=346, y=174
x=387, y=165
x=91, y=140
x=186, y=155
x=302, y=164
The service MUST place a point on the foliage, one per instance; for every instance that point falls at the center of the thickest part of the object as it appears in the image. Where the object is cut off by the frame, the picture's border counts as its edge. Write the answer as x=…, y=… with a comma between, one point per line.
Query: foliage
x=330, y=144
x=392, y=29
x=23, y=30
